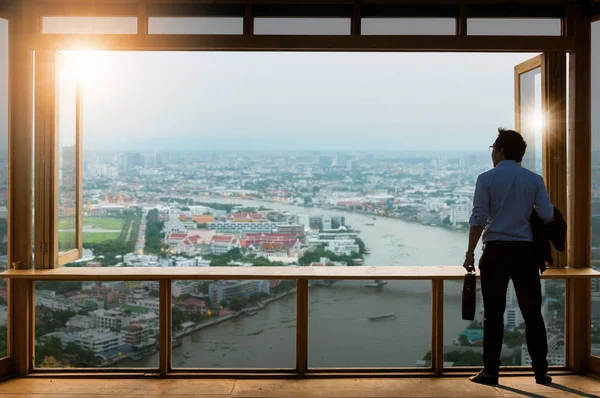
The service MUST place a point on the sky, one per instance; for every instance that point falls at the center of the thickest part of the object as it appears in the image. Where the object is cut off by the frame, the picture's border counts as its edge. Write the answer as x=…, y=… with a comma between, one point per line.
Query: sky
x=219, y=101
x=304, y=101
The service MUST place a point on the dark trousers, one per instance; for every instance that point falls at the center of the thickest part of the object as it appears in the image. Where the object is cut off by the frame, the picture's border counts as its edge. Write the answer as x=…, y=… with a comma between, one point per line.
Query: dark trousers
x=500, y=262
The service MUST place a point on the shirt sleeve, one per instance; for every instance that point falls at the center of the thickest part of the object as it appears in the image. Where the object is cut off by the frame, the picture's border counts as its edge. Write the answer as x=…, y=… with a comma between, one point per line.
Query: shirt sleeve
x=481, y=205
x=543, y=205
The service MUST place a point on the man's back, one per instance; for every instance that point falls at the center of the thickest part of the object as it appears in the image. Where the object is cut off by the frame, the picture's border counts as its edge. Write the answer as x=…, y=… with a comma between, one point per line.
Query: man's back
x=507, y=195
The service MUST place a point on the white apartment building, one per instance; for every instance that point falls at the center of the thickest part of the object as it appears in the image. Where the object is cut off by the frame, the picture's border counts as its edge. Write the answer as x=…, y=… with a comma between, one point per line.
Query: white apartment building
x=183, y=287
x=343, y=247
x=265, y=226
x=327, y=222
x=109, y=319
x=148, y=303
x=304, y=219
x=460, y=212
x=512, y=315
x=49, y=299
x=97, y=341
x=556, y=352
x=221, y=244
x=154, y=286
x=80, y=322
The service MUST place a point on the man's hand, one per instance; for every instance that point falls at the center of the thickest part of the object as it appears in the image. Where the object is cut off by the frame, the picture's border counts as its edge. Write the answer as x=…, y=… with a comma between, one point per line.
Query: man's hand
x=469, y=263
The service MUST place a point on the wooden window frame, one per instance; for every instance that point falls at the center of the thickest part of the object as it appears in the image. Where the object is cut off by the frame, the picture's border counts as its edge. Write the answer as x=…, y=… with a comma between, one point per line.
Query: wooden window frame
x=49, y=65
x=573, y=41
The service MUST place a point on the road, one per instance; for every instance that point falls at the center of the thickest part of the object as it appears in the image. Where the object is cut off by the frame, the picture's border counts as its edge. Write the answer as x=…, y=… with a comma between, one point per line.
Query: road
x=141, y=241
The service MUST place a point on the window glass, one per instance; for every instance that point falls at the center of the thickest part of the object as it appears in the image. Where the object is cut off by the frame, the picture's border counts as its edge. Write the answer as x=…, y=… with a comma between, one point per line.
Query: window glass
x=89, y=25
x=234, y=324
x=195, y=26
x=96, y=324
x=302, y=26
x=463, y=340
x=408, y=26
x=514, y=27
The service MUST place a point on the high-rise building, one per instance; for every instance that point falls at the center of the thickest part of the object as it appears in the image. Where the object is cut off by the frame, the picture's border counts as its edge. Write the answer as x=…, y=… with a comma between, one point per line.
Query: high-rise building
x=341, y=159
x=324, y=161
x=150, y=160
x=338, y=221
x=327, y=223
x=133, y=159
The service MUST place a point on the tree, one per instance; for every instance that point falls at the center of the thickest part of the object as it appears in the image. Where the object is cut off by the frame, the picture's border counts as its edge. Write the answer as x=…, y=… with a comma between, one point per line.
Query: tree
x=447, y=221
x=475, y=324
x=464, y=358
x=3, y=341
x=463, y=340
x=361, y=245
x=513, y=338
x=177, y=318
x=236, y=305
x=52, y=347
x=80, y=356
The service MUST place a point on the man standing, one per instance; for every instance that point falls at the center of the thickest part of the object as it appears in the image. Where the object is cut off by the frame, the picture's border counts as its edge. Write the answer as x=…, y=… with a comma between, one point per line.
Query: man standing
x=505, y=197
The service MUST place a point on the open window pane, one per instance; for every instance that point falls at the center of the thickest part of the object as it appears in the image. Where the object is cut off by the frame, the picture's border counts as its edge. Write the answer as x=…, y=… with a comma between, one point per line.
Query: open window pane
x=302, y=26
x=408, y=26
x=514, y=27
x=234, y=324
x=531, y=118
x=89, y=25
x=195, y=26
x=67, y=160
x=96, y=324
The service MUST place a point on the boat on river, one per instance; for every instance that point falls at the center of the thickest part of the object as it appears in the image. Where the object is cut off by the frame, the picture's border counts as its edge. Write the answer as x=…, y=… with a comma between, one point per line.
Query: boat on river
x=376, y=283
x=382, y=317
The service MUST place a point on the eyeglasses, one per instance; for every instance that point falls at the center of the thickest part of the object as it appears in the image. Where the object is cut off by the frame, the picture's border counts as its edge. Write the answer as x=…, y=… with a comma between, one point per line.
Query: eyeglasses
x=492, y=148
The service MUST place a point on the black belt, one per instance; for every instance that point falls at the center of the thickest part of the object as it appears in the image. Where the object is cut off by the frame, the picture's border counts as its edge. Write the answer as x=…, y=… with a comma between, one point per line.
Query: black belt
x=508, y=244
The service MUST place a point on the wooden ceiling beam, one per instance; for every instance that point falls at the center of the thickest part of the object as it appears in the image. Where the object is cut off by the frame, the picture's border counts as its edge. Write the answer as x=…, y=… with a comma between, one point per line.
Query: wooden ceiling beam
x=307, y=8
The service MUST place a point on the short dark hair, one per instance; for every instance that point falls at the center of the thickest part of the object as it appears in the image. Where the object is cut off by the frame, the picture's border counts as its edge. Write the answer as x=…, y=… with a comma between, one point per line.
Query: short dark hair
x=513, y=144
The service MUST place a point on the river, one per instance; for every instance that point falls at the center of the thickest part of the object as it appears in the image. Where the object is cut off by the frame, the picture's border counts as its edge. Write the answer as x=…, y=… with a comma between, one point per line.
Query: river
x=339, y=333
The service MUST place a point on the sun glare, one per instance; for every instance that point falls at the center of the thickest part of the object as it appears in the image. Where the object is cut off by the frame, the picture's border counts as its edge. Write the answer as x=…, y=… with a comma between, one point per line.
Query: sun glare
x=89, y=66
x=538, y=121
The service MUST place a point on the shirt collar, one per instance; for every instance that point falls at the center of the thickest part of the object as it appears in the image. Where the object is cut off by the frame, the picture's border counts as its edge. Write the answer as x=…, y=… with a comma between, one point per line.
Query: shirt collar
x=508, y=163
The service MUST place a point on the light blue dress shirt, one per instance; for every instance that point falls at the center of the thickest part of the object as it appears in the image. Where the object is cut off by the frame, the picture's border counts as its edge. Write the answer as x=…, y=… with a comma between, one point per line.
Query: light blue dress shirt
x=504, y=199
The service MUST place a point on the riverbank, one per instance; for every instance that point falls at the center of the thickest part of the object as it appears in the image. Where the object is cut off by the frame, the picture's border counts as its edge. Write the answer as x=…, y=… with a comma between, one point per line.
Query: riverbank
x=337, y=208
x=218, y=320
x=213, y=322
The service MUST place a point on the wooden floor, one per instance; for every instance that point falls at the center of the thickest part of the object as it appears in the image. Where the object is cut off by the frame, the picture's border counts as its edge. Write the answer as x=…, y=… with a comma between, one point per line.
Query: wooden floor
x=564, y=386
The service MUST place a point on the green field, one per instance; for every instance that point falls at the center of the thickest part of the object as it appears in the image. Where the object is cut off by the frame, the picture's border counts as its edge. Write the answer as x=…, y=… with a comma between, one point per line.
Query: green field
x=88, y=237
x=93, y=222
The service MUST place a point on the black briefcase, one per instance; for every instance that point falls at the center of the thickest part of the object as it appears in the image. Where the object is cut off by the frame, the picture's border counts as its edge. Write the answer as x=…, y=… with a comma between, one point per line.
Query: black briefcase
x=468, y=296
